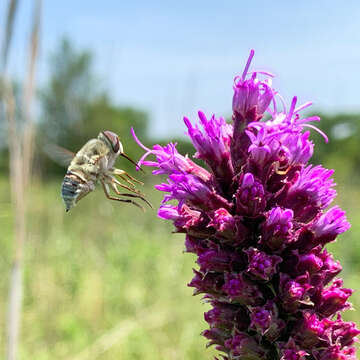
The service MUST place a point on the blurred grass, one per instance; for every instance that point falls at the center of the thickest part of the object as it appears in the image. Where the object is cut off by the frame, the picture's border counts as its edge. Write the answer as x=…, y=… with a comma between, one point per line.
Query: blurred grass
x=106, y=281
x=103, y=269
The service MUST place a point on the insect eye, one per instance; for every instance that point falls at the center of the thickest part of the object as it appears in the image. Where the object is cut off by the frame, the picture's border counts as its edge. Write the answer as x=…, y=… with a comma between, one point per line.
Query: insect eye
x=114, y=140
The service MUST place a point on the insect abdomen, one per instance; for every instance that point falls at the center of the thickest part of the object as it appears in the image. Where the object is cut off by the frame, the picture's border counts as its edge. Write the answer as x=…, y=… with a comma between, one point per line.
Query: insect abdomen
x=70, y=189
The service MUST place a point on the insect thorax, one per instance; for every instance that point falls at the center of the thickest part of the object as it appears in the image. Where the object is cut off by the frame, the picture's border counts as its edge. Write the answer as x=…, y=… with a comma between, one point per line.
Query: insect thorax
x=91, y=160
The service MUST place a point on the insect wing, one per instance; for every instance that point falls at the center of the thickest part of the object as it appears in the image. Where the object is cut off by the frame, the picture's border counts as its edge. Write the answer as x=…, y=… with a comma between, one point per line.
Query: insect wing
x=59, y=154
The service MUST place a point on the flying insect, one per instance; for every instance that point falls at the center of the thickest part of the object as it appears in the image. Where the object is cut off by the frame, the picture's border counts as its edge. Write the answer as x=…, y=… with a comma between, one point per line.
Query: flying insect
x=92, y=164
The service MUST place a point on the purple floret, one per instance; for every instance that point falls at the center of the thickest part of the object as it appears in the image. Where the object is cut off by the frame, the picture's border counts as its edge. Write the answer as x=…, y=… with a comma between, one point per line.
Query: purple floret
x=255, y=215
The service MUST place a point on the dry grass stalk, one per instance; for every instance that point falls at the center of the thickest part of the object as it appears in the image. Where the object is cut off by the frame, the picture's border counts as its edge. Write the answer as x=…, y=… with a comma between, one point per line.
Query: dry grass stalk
x=28, y=142
x=20, y=158
x=10, y=17
x=17, y=192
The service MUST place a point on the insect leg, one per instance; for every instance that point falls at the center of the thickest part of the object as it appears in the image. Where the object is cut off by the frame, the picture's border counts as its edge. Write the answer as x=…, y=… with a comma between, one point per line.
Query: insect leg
x=107, y=194
x=111, y=179
x=139, y=196
x=120, y=173
x=124, y=178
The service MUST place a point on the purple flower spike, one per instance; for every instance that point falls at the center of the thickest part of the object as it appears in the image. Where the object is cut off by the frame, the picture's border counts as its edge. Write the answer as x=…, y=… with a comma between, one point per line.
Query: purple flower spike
x=255, y=217
x=227, y=315
x=295, y=293
x=310, y=332
x=265, y=320
x=241, y=290
x=290, y=351
x=276, y=230
x=227, y=226
x=251, y=99
x=223, y=221
x=343, y=332
x=242, y=346
x=261, y=265
x=185, y=219
x=329, y=270
x=212, y=260
x=250, y=197
x=251, y=96
x=309, y=262
x=329, y=225
x=169, y=161
x=186, y=187
x=334, y=299
x=336, y=352
x=213, y=144
x=311, y=191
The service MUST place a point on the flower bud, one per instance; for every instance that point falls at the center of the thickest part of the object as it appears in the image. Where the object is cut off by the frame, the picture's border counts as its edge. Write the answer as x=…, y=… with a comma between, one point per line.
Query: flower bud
x=250, y=196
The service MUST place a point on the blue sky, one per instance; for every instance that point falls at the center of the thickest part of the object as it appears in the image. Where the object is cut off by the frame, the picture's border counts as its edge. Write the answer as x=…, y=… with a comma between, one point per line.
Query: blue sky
x=173, y=58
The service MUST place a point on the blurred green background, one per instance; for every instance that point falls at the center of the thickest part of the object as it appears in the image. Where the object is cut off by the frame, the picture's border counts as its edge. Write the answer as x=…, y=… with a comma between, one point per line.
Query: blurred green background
x=106, y=281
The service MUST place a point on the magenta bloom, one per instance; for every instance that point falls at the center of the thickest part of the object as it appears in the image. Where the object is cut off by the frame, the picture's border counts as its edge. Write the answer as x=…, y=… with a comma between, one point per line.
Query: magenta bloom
x=255, y=216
